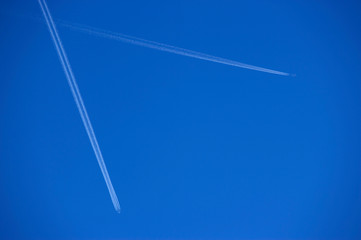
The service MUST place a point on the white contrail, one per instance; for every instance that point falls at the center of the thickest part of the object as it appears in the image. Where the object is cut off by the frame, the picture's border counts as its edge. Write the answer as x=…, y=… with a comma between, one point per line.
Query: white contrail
x=163, y=47
x=78, y=100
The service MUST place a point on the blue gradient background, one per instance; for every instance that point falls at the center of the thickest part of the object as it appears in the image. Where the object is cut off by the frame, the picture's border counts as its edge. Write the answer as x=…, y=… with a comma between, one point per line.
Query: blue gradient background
x=195, y=150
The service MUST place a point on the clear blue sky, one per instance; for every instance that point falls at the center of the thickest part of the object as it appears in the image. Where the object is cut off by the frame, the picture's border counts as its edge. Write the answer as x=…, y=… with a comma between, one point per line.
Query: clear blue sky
x=195, y=150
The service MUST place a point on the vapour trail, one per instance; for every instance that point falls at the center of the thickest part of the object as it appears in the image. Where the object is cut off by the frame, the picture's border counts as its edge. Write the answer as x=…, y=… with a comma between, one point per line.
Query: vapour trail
x=78, y=100
x=162, y=47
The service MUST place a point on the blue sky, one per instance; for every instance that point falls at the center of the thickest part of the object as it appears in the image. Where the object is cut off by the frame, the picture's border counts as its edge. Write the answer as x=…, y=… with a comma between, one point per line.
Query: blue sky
x=195, y=150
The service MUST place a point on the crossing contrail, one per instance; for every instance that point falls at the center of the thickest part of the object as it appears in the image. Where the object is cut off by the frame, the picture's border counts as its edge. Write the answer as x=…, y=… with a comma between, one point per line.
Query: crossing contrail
x=162, y=47
x=78, y=100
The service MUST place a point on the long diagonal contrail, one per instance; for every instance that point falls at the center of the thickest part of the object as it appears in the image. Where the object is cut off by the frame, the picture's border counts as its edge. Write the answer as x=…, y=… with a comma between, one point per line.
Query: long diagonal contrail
x=78, y=100
x=163, y=47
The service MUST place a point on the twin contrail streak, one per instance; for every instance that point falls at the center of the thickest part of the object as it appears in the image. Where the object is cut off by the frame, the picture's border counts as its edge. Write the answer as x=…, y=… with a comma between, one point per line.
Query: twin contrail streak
x=163, y=47
x=78, y=100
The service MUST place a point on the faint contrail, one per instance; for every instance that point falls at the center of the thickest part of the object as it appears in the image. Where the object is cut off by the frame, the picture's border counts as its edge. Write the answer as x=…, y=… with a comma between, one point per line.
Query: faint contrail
x=163, y=47
x=78, y=100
